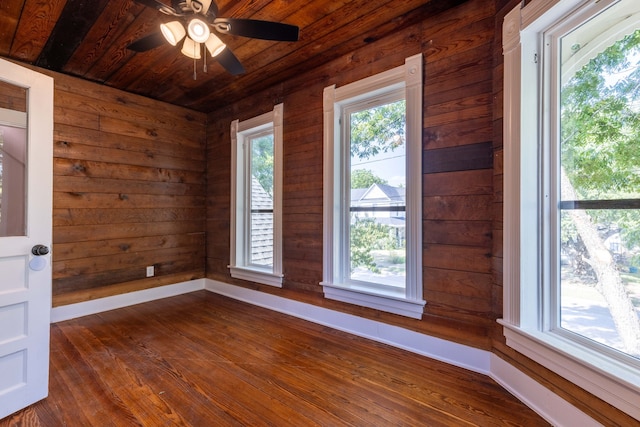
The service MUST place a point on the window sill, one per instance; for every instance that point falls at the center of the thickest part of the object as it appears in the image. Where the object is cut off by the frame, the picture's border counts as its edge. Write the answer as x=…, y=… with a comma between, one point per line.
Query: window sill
x=614, y=382
x=388, y=303
x=257, y=276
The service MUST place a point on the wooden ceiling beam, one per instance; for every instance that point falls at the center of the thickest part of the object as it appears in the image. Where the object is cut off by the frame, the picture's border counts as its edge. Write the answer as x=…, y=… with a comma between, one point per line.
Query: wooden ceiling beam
x=10, y=11
x=75, y=21
x=37, y=20
x=111, y=24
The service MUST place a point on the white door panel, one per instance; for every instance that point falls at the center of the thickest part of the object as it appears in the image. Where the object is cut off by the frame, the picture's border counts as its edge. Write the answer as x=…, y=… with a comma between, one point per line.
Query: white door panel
x=25, y=221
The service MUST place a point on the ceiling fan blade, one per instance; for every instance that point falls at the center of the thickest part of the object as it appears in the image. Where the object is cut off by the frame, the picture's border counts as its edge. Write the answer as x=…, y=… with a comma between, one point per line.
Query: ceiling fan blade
x=146, y=43
x=213, y=9
x=265, y=30
x=228, y=60
x=183, y=8
x=157, y=4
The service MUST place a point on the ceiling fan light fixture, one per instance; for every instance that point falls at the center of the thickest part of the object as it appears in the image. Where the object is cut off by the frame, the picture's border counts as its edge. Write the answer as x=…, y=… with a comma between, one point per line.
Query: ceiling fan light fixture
x=214, y=45
x=199, y=6
x=198, y=30
x=191, y=49
x=173, y=31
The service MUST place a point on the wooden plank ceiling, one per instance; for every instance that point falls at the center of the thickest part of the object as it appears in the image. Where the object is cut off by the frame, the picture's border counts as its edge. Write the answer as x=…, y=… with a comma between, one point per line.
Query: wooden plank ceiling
x=89, y=39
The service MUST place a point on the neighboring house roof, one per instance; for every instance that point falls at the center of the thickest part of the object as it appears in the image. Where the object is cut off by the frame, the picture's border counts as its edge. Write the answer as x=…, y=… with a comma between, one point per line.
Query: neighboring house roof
x=379, y=192
x=259, y=196
x=261, y=225
x=357, y=193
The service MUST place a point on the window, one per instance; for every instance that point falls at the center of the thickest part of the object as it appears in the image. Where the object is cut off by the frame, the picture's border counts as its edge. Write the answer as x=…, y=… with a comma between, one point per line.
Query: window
x=13, y=172
x=256, y=195
x=373, y=191
x=572, y=192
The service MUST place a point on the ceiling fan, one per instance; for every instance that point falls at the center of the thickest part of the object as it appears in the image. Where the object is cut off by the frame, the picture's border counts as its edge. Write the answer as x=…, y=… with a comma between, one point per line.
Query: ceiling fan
x=193, y=24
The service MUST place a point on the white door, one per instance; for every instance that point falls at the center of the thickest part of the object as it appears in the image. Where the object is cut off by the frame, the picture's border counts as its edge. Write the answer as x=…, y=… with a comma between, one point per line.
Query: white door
x=26, y=150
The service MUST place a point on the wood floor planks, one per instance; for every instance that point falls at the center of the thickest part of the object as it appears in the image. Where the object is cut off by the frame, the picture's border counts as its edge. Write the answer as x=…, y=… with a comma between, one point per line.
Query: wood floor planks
x=205, y=360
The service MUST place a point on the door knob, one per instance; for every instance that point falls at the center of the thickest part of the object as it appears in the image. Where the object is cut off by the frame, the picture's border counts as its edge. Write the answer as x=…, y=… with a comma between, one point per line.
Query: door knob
x=39, y=250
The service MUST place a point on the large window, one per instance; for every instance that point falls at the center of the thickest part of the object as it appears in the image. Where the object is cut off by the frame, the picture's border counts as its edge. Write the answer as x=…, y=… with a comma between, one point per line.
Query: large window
x=572, y=192
x=372, y=199
x=256, y=183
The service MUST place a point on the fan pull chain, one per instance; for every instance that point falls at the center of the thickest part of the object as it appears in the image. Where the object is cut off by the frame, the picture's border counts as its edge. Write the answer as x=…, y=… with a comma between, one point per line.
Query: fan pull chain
x=195, y=55
x=204, y=58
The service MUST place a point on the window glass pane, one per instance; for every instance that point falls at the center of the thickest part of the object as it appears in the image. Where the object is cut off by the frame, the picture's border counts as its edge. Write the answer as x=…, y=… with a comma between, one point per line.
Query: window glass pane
x=586, y=308
x=600, y=184
x=261, y=236
x=13, y=160
x=377, y=244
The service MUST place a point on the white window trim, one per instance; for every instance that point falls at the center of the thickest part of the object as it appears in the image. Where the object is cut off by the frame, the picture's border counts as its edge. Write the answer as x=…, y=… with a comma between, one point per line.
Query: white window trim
x=239, y=189
x=408, y=76
x=612, y=380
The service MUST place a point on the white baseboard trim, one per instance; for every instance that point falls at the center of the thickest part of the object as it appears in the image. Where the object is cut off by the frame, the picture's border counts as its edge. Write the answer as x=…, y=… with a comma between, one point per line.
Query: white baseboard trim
x=446, y=351
x=71, y=311
x=544, y=402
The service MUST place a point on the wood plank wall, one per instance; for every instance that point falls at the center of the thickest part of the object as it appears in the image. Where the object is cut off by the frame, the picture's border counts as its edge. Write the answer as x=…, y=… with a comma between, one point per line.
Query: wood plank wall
x=457, y=167
x=129, y=191
x=13, y=97
x=462, y=182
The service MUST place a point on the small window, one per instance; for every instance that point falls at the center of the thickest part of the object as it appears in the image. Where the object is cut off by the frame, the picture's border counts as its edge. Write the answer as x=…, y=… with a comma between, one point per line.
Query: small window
x=256, y=183
x=373, y=191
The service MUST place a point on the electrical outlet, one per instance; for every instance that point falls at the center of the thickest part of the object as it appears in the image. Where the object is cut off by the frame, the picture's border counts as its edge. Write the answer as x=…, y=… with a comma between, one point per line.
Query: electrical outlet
x=150, y=271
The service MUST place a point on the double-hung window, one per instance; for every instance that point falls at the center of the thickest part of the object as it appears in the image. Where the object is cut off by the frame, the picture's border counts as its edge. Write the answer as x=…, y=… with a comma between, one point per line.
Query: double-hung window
x=572, y=192
x=373, y=191
x=256, y=198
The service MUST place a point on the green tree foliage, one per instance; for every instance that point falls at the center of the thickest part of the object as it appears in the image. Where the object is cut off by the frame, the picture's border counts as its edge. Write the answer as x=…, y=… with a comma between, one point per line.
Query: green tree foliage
x=262, y=161
x=377, y=130
x=364, y=178
x=367, y=236
x=600, y=122
x=601, y=132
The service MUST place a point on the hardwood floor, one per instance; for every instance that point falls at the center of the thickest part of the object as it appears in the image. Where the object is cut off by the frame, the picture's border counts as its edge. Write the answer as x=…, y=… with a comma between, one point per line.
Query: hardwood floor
x=205, y=360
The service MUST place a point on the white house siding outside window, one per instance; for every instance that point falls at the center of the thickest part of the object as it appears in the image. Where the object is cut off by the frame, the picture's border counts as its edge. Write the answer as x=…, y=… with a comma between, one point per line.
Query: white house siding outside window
x=372, y=191
x=572, y=192
x=256, y=198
